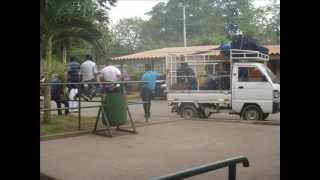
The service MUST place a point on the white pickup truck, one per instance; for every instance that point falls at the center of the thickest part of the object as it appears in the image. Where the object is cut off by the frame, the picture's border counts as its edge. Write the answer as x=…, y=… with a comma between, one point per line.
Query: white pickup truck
x=253, y=93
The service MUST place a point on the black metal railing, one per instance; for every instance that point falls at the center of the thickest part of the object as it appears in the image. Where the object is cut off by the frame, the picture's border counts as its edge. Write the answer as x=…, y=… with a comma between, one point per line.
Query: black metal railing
x=231, y=163
x=79, y=97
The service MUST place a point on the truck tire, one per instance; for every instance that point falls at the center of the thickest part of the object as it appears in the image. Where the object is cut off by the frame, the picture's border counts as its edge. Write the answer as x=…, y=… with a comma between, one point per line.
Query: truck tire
x=202, y=115
x=188, y=112
x=265, y=116
x=252, y=112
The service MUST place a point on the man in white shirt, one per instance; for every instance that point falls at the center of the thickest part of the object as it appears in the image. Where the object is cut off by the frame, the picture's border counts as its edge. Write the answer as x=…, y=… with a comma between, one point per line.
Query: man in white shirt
x=110, y=73
x=88, y=70
x=89, y=73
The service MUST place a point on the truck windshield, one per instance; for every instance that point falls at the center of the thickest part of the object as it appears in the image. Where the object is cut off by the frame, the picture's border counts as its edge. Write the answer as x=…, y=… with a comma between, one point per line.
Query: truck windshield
x=271, y=75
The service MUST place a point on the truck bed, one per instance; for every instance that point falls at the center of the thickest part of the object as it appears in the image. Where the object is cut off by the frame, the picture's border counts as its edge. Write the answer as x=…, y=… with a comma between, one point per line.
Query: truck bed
x=204, y=96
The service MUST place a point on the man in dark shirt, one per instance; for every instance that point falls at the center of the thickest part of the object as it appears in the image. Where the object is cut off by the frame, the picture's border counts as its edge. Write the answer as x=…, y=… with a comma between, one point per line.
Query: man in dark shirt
x=188, y=76
x=58, y=95
x=73, y=77
x=73, y=72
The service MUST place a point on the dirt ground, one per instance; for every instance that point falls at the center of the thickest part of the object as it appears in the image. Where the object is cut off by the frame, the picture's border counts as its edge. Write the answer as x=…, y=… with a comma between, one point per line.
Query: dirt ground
x=165, y=148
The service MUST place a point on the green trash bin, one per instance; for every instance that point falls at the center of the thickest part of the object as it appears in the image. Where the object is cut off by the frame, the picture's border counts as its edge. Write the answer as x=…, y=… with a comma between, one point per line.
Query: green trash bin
x=115, y=107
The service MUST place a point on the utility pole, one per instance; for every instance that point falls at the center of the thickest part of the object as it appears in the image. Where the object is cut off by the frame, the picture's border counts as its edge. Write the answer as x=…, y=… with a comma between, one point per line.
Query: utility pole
x=184, y=27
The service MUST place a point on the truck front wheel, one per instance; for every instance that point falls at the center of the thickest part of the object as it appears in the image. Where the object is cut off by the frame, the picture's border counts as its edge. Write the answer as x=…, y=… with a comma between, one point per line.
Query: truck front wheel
x=252, y=112
x=188, y=112
x=265, y=116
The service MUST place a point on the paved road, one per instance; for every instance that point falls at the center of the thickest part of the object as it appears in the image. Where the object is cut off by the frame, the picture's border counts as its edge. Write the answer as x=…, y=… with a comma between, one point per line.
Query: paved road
x=160, y=111
x=165, y=148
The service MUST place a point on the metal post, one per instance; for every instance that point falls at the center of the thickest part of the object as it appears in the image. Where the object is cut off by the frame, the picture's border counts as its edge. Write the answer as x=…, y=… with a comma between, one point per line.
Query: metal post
x=232, y=172
x=79, y=114
x=107, y=121
x=131, y=121
x=184, y=27
x=97, y=120
x=121, y=67
x=152, y=65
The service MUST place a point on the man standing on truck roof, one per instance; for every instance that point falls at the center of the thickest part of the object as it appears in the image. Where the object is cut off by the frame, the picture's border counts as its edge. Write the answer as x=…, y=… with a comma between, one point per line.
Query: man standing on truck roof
x=148, y=88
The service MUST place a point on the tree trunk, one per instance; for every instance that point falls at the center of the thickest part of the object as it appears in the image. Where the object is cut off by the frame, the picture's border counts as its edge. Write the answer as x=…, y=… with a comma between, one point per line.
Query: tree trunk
x=64, y=54
x=47, y=89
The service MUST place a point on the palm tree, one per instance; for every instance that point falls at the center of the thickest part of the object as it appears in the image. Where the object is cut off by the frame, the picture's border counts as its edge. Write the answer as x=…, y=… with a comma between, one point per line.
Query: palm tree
x=60, y=19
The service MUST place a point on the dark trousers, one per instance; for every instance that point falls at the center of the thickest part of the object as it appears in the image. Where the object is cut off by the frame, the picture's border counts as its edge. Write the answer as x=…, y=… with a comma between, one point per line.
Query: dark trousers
x=91, y=90
x=66, y=105
x=146, y=95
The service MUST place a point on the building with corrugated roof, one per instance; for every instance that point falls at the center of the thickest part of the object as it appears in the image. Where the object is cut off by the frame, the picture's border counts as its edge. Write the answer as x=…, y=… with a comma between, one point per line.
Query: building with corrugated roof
x=157, y=57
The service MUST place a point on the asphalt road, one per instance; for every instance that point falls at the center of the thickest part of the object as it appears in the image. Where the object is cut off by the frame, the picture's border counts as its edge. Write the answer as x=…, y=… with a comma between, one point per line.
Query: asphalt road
x=165, y=148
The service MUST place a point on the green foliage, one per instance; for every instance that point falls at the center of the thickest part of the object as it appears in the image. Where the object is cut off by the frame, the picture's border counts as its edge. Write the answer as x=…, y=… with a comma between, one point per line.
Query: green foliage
x=206, y=23
x=128, y=32
x=67, y=20
x=65, y=124
x=209, y=39
x=56, y=68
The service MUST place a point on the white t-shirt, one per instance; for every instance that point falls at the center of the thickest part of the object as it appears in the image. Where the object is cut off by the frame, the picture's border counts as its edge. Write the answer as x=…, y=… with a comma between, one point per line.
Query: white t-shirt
x=88, y=69
x=110, y=73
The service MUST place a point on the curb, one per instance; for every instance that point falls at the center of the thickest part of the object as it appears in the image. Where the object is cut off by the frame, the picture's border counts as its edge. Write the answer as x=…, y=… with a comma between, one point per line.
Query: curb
x=84, y=132
x=143, y=124
x=64, y=135
x=46, y=177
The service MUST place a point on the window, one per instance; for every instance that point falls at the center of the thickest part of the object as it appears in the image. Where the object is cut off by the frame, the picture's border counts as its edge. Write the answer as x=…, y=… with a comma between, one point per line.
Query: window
x=250, y=74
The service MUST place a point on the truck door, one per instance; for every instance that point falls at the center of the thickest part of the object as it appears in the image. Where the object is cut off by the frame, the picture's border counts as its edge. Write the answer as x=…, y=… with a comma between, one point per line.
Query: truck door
x=250, y=85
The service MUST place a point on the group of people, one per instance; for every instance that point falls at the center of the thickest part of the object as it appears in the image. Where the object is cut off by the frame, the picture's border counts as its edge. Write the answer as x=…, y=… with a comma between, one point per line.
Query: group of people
x=187, y=80
x=87, y=72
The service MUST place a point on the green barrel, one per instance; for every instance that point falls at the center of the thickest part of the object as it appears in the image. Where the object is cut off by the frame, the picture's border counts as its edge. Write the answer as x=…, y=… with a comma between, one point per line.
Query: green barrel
x=115, y=107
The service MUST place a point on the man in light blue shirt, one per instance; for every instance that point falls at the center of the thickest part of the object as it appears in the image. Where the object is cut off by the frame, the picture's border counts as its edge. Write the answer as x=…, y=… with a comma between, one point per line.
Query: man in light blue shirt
x=148, y=88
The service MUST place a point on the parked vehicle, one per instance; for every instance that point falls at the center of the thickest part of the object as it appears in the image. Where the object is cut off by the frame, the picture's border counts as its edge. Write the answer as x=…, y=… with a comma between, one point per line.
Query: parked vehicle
x=161, y=89
x=253, y=93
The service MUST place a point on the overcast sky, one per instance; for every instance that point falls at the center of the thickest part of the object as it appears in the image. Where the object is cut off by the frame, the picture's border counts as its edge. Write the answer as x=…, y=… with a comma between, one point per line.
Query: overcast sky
x=137, y=8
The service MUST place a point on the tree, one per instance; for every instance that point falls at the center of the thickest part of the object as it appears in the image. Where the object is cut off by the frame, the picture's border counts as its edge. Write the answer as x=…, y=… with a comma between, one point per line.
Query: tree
x=165, y=27
x=273, y=23
x=208, y=22
x=66, y=18
x=128, y=32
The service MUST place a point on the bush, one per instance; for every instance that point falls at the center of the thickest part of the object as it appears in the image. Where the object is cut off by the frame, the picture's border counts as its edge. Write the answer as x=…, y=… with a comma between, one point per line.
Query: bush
x=56, y=67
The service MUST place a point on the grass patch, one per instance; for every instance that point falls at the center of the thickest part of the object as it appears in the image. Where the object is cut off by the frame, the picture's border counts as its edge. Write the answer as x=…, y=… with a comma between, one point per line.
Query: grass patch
x=61, y=124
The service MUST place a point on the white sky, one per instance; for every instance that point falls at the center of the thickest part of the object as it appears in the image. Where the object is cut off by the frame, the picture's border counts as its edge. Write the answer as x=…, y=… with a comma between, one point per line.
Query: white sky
x=137, y=8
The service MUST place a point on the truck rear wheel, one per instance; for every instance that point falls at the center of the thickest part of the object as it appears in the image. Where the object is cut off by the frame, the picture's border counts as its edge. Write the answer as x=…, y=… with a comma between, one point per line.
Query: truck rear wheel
x=188, y=112
x=202, y=115
x=252, y=113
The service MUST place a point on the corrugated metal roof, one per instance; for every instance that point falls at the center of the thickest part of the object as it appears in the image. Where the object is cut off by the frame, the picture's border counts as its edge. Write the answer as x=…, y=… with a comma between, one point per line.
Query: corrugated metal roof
x=162, y=53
